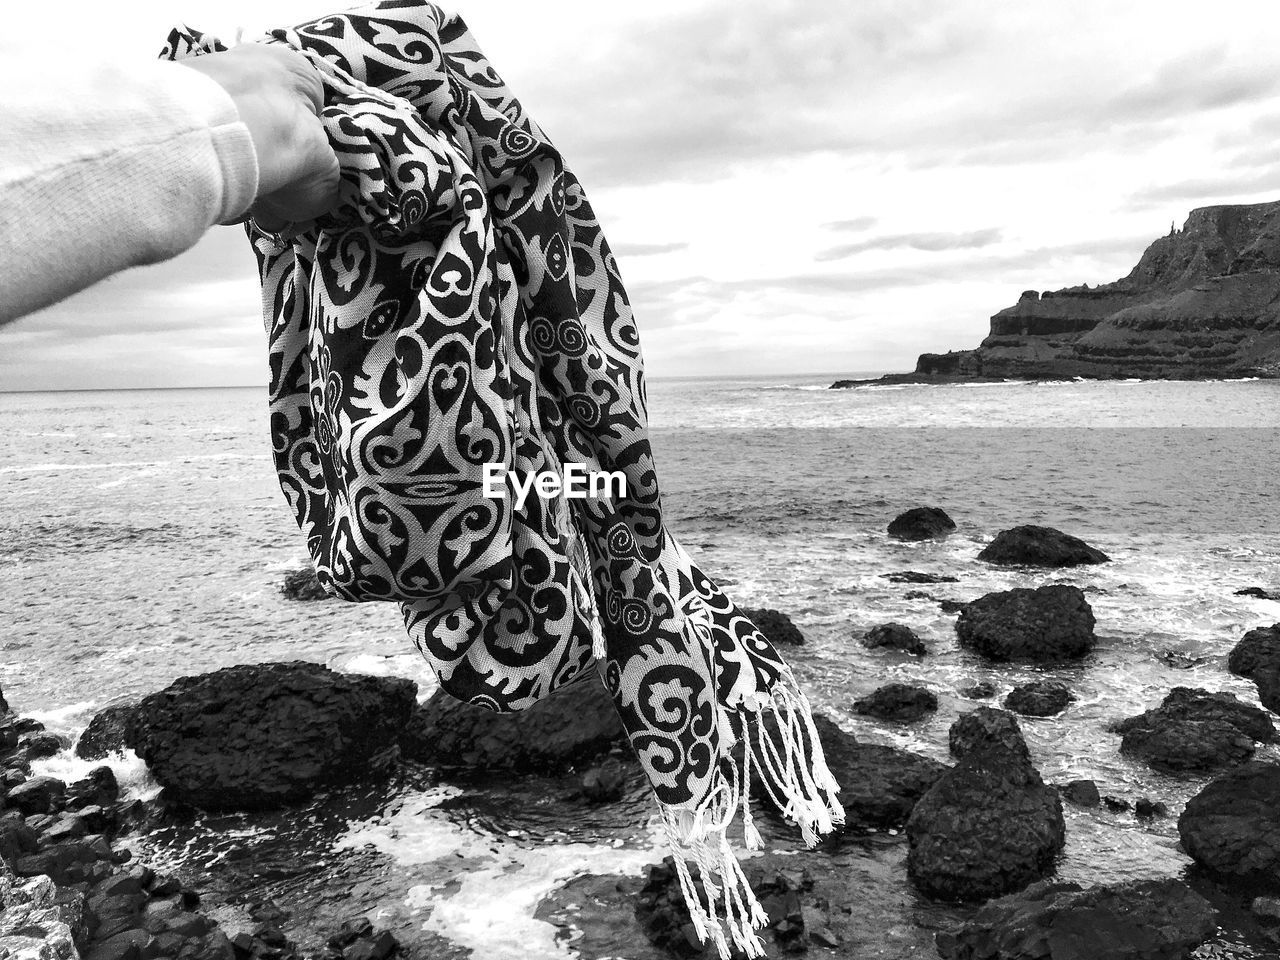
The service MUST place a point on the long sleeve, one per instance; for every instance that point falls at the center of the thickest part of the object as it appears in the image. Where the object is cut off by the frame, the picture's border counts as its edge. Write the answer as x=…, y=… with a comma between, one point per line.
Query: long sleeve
x=110, y=166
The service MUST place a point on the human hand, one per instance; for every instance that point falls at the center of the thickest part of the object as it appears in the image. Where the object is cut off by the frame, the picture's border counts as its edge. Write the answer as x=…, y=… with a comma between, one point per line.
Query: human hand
x=279, y=95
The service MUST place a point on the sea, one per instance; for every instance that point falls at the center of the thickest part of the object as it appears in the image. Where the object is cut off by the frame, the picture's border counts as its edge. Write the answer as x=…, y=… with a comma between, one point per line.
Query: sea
x=143, y=537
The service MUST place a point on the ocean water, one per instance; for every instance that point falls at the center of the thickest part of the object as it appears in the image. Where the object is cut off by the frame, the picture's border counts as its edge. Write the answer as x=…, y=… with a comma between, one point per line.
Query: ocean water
x=143, y=537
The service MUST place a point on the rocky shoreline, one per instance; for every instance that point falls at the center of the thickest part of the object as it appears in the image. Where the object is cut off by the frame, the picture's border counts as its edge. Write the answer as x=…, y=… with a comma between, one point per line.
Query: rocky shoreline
x=1199, y=305
x=954, y=859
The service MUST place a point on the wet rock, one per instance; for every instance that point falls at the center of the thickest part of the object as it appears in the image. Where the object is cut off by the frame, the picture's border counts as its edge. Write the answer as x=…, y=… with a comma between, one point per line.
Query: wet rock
x=1180, y=659
x=1232, y=826
x=1082, y=793
x=952, y=606
x=571, y=727
x=983, y=690
x=1147, y=809
x=1258, y=593
x=606, y=782
x=97, y=788
x=1257, y=657
x=43, y=745
x=1116, y=804
x=255, y=736
x=1034, y=546
x=1188, y=746
x=664, y=916
x=775, y=625
x=921, y=523
x=984, y=728
x=898, y=702
x=1046, y=624
x=986, y=828
x=16, y=837
x=1193, y=703
x=1266, y=909
x=302, y=584
x=1053, y=920
x=915, y=576
x=896, y=636
x=1040, y=698
x=37, y=795
x=879, y=785
x=107, y=732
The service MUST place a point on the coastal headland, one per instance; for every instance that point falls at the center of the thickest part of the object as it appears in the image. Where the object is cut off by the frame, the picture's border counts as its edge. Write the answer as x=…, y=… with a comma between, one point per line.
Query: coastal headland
x=1203, y=302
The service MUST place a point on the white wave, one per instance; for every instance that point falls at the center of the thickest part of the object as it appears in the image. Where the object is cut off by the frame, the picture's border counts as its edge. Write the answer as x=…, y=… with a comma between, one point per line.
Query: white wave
x=132, y=775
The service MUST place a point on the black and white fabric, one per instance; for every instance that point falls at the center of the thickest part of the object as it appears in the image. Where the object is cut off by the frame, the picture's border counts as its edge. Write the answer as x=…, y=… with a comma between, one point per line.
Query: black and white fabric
x=461, y=308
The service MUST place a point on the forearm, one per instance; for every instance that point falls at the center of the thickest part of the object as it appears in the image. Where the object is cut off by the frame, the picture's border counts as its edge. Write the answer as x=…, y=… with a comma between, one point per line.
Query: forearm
x=114, y=167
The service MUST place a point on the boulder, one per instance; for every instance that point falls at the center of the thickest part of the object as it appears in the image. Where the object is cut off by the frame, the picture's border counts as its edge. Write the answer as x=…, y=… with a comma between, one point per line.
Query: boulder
x=915, y=576
x=1040, y=698
x=1047, y=624
x=986, y=828
x=1033, y=546
x=107, y=732
x=982, y=690
x=1144, y=808
x=37, y=795
x=1232, y=826
x=899, y=702
x=1193, y=703
x=1082, y=793
x=775, y=625
x=879, y=785
x=983, y=728
x=921, y=523
x=1257, y=656
x=1192, y=747
x=255, y=736
x=573, y=726
x=302, y=584
x=1195, y=732
x=1259, y=593
x=896, y=636
x=1052, y=920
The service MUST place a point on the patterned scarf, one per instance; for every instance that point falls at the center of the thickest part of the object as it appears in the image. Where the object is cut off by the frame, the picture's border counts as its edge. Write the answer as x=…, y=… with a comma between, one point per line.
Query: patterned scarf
x=461, y=308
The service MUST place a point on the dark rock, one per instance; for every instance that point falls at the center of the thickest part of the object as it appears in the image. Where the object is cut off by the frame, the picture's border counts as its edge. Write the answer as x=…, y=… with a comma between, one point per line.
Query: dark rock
x=64, y=862
x=1192, y=703
x=894, y=635
x=572, y=726
x=879, y=785
x=1033, y=546
x=1116, y=804
x=1147, y=809
x=1266, y=909
x=1188, y=746
x=899, y=702
x=1257, y=656
x=1053, y=920
x=915, y=576
x=605, y=783
x=43, y=745
x=27, y=725
x=1046, y=624
x=16, y=836
x=1232, y=826
x=98, y=787
x=664, y=915
x=107, y=732
x=302, y=584
x=988, y=827
x=1040, y=698
x=128, y=945
x=1180, y=660
x=37, y=795
x=952, y=606
x=982, y=690
x=1259, y=593
x=1083, y=793
x=984, y=728
x=921, y=523
x=260, y=735
x=350, y=931
x=775, y=625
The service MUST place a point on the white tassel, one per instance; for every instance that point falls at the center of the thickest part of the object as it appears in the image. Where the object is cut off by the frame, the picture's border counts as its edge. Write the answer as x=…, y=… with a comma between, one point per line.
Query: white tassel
x=798, y=781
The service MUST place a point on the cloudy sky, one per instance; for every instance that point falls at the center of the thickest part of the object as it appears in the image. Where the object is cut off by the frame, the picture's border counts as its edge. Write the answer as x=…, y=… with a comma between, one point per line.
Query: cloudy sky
x=789, y=187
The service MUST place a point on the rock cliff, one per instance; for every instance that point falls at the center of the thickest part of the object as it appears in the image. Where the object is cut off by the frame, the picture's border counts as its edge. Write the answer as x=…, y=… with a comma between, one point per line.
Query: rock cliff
x=1202, y=302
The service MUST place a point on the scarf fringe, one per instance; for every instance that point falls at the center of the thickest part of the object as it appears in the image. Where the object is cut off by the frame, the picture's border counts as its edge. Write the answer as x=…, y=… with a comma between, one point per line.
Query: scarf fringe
x=797, y=780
